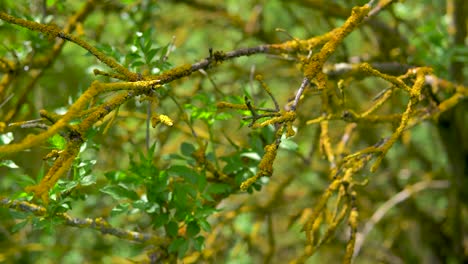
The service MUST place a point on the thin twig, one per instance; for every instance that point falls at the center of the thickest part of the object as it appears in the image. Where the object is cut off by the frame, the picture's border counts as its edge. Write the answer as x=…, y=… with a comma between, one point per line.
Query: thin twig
x=304, y=84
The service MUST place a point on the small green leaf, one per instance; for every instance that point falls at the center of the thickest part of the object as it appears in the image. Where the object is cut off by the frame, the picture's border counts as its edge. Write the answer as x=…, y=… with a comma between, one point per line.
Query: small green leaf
x=164, y=51
x=8, y=163
x=140, y=204
x=182, y=171
x=175, y=244
x=18, y=215
x=160, y=220
x=187, y=149
x=57, y=142
x=179, y=245
x=183, y=249
x=116, y=176
x=218, y=188
x=19, y=226
x=132, y=56
x=288, y=144
x=150, y=55
x=120, y=192
x=119, y=209
x=192, y=229
x=251, y=155
x=65, y=187
x=88, y=180
x=172, y=228
x=180, y=214
x=198, y=243
x=137, y=63
x=204, y=225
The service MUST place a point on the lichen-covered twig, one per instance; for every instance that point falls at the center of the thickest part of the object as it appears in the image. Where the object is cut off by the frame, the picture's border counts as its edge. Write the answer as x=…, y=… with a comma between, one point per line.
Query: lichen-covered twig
x=98, y=224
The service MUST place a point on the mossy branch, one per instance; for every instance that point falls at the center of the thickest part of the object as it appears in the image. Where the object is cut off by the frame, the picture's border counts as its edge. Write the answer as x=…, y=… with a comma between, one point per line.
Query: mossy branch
x=55, y=32
x=98, y=224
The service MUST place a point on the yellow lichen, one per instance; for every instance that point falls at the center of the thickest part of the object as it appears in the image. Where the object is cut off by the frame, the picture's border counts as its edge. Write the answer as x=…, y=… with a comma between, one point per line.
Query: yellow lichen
x=221, y=105
x=352, y=221
x=287, y=116
x=265, y=167
x=266, y=163
x=164, y=119
x=172, y=74
x=316, y=62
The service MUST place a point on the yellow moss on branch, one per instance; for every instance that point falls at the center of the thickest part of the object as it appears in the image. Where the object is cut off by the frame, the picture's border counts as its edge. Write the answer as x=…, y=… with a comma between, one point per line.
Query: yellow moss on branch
x=450, y=102
x=172, y=74
x=316, y=62
x=397, y=81
x=326, y=144
x=303, y=45
x=73, y=112
x=352, y=222
x=288, y=116
x=223, y=105
x=265, y=167
x=415, y=93
x=266, y=163
x=318, y=209
x=118, y=86
x=61, y=165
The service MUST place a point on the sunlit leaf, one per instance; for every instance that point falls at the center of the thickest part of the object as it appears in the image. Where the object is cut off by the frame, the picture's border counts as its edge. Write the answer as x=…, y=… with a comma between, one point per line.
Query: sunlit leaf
x=8, y=163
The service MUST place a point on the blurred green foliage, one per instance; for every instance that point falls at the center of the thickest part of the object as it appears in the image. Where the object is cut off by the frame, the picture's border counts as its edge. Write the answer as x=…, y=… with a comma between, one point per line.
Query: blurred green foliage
x=152, y=180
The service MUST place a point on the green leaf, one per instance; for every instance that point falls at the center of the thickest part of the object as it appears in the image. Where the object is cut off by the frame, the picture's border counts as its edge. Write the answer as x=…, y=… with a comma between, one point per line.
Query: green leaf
x=175, y=244
x=187, y=149
x=164, y=51
x=157, y=184
x=204, y=225
x=218, y=188
x=106, y=48
x=22, y=196
x=120, y=192
x=18, y=215
x=179, y=245
x=149, y=56
x=57, y=142
x=160, y=219
x=132, y=56
x=182, y=171
x=137, y=63
x=288, y=144
x=119, y=209
x=140, y=204
x=88, y=180
x=8, y=163
x=117, y=176
x=67, y=186
x=172, y=228
x=183, y=249
x=19, y=226
x=251, y=155
x=198, y=243
x=181, y=213
x=193, y=229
